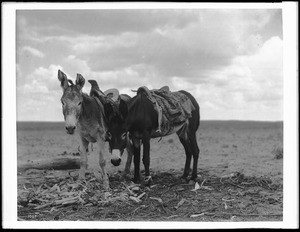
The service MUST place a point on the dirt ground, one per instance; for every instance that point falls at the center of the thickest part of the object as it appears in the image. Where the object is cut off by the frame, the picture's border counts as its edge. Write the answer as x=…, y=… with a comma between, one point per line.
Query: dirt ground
x=240, y=177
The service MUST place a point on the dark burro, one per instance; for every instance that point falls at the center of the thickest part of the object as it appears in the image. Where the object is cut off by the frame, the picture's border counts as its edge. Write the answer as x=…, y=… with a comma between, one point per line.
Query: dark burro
x=158, y=113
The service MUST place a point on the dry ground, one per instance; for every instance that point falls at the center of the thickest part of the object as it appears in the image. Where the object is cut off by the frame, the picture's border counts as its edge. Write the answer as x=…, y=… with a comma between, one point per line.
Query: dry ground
x=240, y=178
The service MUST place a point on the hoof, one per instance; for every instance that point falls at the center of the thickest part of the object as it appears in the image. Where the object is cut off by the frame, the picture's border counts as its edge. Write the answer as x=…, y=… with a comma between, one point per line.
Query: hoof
x=136, y=180
x=191, y=182
x=98, y=176
x=81, y=176
x=184, y=179
x=194, y=178
x=106, y=185
x=125, y=175
x=147, y=181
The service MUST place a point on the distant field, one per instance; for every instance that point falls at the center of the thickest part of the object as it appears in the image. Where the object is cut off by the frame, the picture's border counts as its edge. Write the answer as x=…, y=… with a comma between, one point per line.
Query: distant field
x=26, y=125
x=40, y=126
x=224, y=146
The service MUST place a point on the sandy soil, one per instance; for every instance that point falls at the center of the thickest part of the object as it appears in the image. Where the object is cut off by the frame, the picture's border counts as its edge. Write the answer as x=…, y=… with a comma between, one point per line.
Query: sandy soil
x=226, y=147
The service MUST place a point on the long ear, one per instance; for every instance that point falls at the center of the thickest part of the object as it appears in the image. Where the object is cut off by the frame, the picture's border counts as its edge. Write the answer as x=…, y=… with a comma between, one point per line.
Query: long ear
x=79, y=81
x=123, y=108
x=63, y=79
x=108, y=110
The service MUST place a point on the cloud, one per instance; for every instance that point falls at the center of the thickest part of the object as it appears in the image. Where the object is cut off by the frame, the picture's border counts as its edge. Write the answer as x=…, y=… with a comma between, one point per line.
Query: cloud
x=125, y=78
x=41, y=88
x=230, y=60
x=46, y=77
x=38, y=95
x=41, y=84
x=103, y=22
x=41, y=80
x=33, y=51
x=171, y=42
x=250, y=84
x=210, y=41
x=266, y=72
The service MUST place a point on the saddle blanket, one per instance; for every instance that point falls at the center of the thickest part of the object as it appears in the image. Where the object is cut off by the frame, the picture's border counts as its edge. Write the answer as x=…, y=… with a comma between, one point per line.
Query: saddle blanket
x=173, y=108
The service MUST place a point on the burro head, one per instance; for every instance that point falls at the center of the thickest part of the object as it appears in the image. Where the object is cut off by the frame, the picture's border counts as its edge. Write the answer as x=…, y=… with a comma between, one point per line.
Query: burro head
x=116, y=134
x=71, y=100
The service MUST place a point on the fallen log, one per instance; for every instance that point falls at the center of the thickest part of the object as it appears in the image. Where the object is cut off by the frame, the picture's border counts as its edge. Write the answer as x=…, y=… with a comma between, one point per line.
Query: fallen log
x=61, y=163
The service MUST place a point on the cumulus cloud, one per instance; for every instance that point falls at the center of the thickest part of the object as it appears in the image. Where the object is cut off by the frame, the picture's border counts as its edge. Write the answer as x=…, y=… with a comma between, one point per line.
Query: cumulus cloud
x=250, y=84
x=125, y=78
x=209, y=41
x=45, y=77
x=33, y=51
x=266, y=72
x=104, y=22
x=38, y=97
x=175, y=42
x=230, y=60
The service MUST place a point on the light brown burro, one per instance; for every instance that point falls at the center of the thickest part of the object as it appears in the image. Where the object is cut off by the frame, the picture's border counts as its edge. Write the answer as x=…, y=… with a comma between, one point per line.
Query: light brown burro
x=85, y=113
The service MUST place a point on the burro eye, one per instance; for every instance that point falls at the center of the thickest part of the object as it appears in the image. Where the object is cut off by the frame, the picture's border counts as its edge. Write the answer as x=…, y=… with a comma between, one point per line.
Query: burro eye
x=123, y=136
x=79, y=103
x=62, y=102
x=108, y=135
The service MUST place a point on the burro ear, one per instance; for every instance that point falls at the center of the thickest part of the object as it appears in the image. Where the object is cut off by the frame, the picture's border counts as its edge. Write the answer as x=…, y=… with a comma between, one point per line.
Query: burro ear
x=123, y=108
x=80, y=81
x=63, y=79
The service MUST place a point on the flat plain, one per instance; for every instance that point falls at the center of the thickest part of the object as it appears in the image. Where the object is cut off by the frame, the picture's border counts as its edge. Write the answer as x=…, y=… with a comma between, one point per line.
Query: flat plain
x=240, y=177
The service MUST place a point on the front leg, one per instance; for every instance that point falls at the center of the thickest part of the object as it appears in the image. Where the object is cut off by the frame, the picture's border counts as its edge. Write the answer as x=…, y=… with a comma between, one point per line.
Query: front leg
x=83, y=157
x=129, y=149
x=136, y=159
x=146, y=157
x=102, y=163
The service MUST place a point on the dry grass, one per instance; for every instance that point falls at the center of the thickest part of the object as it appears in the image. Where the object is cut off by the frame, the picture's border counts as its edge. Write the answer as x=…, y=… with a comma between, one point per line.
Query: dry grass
x=212, y=198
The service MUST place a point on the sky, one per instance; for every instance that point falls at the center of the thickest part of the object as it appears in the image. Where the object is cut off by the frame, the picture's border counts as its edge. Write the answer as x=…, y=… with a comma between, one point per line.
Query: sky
x=230, y=60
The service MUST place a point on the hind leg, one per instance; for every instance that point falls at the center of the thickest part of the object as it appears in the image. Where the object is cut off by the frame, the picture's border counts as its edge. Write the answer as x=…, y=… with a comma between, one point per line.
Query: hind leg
x=195, y=153
x=183, y=139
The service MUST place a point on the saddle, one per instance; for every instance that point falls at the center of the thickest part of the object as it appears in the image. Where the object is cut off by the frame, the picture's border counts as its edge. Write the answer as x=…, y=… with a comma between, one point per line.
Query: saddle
x=173, y=108
x=110, y=95
x=113, y=94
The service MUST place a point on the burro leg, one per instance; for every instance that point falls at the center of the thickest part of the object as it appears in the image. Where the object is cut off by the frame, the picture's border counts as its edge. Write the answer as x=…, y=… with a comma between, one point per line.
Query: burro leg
x=83, y=157
x=129, y=149
x=146, y=157
x=136, y=159
x=102, y=164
